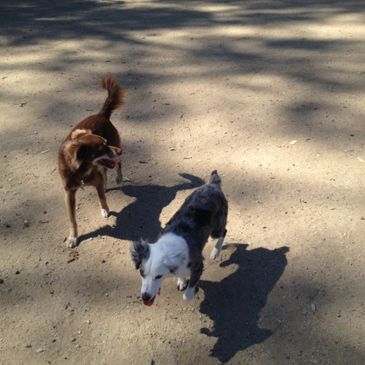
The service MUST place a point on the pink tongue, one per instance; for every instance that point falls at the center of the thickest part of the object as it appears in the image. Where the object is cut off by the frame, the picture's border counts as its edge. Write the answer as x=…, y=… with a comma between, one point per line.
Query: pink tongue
x=148, y=303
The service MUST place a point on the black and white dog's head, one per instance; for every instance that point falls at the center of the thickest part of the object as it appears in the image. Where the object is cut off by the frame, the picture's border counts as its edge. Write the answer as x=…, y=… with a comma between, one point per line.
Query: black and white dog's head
x=157, y=261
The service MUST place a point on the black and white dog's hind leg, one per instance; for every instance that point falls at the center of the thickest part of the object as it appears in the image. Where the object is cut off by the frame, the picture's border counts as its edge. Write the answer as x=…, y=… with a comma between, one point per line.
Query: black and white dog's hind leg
x=214, y=255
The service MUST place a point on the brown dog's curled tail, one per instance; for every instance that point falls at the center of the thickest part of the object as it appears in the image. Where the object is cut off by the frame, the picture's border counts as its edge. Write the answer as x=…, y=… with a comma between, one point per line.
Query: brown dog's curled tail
x=115, y=96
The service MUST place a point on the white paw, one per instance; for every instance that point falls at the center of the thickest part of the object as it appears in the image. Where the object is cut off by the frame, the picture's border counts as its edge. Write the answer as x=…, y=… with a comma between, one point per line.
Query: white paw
x=181, y=284
x=215, y=253
x=71, y=242
x=189, y=293
x=105, y=213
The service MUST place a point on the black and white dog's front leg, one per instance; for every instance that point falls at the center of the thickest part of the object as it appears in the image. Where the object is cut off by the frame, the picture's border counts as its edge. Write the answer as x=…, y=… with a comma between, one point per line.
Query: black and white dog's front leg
x=196, y=272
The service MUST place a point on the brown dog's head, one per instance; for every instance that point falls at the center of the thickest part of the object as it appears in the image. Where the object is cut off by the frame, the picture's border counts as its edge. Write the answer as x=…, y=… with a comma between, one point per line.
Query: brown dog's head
x=87, y=147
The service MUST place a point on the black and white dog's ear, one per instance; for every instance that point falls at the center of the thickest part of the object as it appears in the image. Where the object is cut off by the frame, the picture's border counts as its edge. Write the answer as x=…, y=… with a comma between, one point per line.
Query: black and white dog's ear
x=139, y=251
x=172, y=262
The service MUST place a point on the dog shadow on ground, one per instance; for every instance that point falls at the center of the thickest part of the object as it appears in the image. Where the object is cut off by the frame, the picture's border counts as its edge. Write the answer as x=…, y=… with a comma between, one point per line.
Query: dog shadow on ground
x=234, y=304
x=141, y=217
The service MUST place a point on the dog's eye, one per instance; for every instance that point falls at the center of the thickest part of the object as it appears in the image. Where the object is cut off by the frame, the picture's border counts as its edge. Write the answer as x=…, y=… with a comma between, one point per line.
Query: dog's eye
x=158, y=277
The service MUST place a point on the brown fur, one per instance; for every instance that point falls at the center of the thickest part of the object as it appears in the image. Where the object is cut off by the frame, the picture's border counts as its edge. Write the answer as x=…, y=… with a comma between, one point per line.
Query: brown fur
x=91, y=147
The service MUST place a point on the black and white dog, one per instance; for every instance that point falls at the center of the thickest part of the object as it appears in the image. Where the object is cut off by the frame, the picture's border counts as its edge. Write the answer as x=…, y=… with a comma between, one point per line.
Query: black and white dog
x=178, y=251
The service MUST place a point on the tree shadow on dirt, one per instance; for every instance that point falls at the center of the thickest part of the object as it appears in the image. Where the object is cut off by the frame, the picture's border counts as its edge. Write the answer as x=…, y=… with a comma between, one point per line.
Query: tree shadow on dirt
x=234, y=304
x=141, y=217
x=31, y=22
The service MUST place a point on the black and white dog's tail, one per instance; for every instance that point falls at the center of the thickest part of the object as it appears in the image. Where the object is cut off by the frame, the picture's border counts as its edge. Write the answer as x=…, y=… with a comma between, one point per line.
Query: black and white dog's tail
x=215, y=179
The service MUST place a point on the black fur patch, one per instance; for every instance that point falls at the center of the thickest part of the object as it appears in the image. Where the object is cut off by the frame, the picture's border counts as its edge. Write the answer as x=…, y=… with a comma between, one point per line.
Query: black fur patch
x=202, y=216
x=139, y=251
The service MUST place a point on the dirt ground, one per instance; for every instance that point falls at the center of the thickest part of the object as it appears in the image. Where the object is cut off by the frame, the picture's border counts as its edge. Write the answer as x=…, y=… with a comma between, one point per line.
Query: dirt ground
x=269, y=93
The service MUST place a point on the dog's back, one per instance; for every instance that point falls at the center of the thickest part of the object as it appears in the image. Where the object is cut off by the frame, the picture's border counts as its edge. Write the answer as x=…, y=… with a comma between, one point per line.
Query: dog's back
x=203, y=214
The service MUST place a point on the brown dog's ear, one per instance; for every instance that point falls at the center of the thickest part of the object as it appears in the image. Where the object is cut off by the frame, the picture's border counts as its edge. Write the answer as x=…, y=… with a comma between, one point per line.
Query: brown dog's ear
x=139, y=251
x=77, y=133
x=86, y=136
x=72, y=149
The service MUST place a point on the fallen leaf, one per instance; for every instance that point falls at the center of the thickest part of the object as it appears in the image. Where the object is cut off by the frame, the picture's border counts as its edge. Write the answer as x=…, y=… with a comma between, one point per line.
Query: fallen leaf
x=294, y=141
x=360, y=159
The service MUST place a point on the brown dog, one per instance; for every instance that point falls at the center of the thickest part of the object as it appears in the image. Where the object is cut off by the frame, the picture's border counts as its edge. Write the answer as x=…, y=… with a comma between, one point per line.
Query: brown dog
x=89, y=149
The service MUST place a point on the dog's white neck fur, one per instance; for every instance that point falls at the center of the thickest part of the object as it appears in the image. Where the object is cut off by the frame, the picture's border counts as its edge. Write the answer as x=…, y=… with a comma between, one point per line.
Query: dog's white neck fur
x=170, y=242
x=171, y=249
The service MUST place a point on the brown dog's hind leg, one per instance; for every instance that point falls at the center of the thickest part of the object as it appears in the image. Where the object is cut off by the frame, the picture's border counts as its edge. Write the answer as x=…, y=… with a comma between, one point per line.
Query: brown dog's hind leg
x=119, y=178
x=102, y=198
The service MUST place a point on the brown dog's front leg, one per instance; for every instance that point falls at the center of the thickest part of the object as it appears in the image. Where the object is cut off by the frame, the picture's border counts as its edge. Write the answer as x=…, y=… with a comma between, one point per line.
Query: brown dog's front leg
x=70, y=198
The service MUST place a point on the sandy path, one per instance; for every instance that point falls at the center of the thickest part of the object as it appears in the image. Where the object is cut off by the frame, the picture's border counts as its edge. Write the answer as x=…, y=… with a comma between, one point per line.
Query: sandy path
x=269, y=93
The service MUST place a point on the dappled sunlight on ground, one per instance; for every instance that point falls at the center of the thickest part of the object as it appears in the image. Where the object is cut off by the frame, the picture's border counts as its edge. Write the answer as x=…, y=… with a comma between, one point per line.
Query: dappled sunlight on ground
x=269, y=93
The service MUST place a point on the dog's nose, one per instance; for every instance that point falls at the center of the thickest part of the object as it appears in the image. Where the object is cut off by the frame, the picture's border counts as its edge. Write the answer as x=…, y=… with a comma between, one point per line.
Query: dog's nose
x=146, y=297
